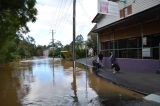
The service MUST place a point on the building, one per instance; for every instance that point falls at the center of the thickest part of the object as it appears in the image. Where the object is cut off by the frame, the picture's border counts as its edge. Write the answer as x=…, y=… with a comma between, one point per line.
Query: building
x=133, y=35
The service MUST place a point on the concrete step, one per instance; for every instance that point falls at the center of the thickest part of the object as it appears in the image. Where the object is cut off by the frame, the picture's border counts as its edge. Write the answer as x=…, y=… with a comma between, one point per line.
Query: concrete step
x=153, y=97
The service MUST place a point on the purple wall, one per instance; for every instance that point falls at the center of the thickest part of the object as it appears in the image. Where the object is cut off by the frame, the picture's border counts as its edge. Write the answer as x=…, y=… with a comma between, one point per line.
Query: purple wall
x=147, y=65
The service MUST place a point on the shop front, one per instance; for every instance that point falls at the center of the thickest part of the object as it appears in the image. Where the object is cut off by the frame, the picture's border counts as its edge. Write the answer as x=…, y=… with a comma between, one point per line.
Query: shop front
x=135, y=41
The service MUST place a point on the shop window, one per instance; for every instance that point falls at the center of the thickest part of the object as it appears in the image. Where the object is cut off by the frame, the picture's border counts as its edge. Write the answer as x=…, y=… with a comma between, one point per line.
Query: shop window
x=122, y=43
x=116, y=44
x=117, y=53
x=156, y=53
x=139, y=41
x=107, y=45
x=147, y=41
x=102, y=45
x=139, y=53
x=152, y=42
x=132, y=43
x=111, y=45
x=133, y=53
x=123, y=53
x=155, y=40
x=132, y=47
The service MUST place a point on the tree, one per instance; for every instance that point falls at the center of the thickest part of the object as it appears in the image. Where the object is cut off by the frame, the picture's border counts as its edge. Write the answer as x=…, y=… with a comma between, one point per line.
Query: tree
x=14, y=16
x=39, y=50
x=55, y=48
x=79, y=41
x=80, y=50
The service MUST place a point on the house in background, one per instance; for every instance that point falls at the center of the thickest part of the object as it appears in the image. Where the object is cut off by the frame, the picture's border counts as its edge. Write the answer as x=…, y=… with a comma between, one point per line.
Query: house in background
x=133, y=35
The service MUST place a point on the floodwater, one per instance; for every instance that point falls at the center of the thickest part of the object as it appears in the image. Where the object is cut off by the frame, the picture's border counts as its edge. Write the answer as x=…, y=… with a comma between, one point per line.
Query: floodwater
x=42, y=82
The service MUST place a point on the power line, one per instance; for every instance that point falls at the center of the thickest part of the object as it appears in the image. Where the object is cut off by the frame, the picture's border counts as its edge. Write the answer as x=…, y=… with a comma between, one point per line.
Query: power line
x=57, y=11
x=83, y=9
x=64, y=12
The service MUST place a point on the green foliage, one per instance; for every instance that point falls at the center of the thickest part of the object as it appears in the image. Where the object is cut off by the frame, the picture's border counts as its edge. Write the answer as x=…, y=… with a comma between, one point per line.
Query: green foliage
x=14, y=16
x=56, y=49
x=16, y=49
x=57, y=52
x=51, y=53
x=79, y=42
x=79, y=48
x=39, y=50
x=80, y=53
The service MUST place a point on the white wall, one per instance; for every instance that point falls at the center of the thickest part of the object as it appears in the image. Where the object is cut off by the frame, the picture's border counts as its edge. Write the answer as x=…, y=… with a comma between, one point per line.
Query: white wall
x=107, y=19
x=138, y=6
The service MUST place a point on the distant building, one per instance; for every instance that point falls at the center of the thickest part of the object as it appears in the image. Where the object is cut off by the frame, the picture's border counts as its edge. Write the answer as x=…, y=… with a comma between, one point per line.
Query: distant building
x=45, y=53
x=133, y=35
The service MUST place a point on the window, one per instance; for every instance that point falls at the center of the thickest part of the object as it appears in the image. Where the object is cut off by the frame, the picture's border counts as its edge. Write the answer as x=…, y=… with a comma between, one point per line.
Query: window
x=133, y=53
x=155, y=39
x=122, y=43
x=132, y=43
x=126, y=11
x=132, y=47
x=107, y=45
x=123, y=53
x=152, y=42
x=102, y=45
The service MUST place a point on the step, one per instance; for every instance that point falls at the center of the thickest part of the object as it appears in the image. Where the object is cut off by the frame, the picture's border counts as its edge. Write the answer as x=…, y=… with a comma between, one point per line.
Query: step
x=153, y=97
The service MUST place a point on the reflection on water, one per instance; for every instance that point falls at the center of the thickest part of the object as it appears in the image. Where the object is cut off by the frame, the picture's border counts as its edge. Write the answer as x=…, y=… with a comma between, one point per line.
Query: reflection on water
x=47, y=83
x=74, y=87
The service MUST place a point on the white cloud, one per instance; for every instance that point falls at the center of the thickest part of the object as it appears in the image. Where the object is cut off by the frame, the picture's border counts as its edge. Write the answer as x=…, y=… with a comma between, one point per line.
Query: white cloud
x=57, y=15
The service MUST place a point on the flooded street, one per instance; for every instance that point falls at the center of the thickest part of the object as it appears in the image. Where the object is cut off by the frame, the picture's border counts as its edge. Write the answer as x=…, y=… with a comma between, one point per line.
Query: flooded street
x=42, y=82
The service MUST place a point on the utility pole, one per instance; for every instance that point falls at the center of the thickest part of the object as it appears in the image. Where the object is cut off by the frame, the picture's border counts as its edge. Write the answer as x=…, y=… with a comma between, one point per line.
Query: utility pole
x=74, y=33
x=53, y=42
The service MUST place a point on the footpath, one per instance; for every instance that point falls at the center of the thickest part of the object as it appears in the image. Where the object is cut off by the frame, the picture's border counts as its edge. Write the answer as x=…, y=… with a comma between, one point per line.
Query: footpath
x=142, y=82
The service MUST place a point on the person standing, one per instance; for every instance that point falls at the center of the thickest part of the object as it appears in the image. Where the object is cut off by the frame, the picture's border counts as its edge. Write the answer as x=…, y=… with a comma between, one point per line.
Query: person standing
x=90, y=52
x=100, y=56
x=114, y=65
x=112, y=58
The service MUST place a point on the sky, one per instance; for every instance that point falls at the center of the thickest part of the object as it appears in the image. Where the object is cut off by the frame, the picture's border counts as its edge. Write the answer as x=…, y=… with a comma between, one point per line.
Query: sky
x=57, y=15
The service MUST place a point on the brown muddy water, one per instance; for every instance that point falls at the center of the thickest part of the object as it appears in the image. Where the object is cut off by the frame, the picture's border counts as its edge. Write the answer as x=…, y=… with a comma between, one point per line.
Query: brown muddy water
x=42, y=82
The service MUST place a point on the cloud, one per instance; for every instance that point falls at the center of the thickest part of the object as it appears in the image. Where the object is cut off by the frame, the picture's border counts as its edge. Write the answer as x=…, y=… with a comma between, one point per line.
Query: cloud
x=57, y=15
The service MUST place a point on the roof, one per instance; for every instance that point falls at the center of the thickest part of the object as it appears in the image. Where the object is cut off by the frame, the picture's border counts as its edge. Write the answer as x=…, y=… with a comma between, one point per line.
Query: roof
x=97, y=18
x=94, y=27
x=139, y=17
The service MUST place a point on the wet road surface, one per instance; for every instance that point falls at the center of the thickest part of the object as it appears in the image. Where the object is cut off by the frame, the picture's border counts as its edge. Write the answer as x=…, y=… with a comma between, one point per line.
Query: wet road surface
x=42, y=82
